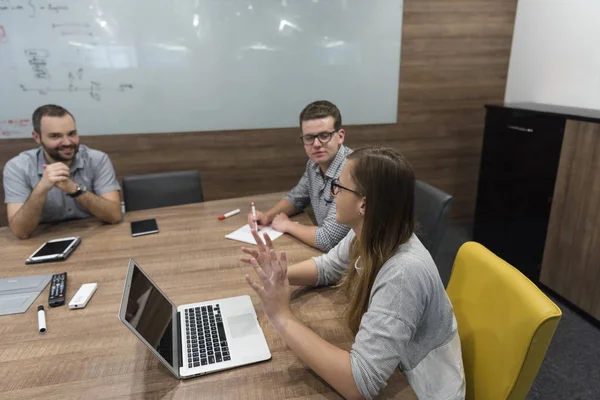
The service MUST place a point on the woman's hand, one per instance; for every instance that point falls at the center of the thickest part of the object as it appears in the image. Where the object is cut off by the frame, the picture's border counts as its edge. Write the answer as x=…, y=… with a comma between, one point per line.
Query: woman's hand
x=263, y=249
x=274, y=287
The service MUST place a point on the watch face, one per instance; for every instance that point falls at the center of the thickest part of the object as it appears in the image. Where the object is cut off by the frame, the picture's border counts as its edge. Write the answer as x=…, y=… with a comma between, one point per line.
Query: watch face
x=80, y=190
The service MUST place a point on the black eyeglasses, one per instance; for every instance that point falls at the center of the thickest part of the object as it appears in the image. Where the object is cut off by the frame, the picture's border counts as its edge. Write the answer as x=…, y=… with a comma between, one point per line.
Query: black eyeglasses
x=335, y=188
x=323, y=137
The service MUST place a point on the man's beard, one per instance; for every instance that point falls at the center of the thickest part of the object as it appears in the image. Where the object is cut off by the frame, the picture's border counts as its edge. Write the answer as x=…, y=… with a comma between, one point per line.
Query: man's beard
x=55, y=155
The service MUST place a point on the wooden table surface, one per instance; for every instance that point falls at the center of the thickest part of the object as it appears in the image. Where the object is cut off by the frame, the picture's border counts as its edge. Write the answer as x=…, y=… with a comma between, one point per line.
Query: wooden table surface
x=90, y=354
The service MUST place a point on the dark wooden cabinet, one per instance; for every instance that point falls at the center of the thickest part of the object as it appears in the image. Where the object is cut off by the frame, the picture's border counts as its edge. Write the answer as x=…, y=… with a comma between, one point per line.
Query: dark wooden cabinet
x=519, y=162
x=538, y=198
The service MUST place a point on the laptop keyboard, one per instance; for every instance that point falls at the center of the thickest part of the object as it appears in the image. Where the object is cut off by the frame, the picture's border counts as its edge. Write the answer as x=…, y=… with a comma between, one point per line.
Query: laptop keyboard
x=205, y=335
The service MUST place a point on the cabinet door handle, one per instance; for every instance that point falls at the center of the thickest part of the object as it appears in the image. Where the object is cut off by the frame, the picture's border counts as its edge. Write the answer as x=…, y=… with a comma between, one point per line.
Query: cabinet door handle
x=519, y=128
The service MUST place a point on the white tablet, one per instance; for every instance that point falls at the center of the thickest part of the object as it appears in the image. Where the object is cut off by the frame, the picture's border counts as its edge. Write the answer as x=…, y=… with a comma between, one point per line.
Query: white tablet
x=54, y=250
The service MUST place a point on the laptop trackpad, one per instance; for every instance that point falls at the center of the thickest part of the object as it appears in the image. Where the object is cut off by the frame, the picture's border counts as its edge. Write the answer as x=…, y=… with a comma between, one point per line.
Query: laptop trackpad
x=243, y=325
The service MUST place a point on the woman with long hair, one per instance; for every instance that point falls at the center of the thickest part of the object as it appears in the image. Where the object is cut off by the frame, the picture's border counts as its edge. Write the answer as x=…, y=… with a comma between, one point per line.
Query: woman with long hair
x=398, y=307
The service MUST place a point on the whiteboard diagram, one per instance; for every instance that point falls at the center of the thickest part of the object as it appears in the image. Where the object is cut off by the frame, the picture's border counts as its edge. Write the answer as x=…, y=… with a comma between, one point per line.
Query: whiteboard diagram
x=159, y=66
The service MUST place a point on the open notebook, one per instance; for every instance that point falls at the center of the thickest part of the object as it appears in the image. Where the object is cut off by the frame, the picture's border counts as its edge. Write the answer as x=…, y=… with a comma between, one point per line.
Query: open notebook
x=244, y=235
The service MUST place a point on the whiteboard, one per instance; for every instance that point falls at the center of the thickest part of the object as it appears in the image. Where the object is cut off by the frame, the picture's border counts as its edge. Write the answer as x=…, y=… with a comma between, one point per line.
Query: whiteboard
x=555, y=56
x=150, y=66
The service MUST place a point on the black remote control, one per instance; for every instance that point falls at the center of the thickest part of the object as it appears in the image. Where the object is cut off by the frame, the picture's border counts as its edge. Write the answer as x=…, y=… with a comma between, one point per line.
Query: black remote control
x=58, y=290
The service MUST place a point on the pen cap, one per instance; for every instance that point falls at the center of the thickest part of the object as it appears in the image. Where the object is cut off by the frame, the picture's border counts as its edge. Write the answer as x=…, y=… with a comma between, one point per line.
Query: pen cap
x=41, y=317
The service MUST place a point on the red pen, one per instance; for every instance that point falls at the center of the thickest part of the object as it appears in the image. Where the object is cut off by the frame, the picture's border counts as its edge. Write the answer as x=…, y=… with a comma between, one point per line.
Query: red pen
x=229, y=214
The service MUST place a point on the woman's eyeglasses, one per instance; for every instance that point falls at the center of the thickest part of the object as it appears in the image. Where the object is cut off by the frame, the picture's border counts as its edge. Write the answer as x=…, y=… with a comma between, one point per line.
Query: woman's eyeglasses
x=324, y=137
x=335, y=188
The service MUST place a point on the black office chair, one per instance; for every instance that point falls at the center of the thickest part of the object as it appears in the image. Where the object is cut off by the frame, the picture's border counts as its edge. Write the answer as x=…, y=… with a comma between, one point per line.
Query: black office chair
x=432, y=207
x=142, y=192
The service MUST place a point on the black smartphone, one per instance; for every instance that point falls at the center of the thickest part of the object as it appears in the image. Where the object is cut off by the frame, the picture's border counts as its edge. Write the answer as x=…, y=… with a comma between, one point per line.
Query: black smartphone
x=144, y=227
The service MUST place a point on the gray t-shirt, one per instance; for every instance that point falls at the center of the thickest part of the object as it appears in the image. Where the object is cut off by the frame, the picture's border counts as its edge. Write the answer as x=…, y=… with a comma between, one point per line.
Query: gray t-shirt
x=409, y=324
x=91, y=168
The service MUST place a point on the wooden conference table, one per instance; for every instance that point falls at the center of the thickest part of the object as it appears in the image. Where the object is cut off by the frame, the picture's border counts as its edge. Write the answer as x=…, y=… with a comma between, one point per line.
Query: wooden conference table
x=90, y=354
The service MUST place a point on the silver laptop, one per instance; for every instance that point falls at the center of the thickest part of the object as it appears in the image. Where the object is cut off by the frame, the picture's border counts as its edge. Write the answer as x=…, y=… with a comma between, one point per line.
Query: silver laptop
x=192, y=339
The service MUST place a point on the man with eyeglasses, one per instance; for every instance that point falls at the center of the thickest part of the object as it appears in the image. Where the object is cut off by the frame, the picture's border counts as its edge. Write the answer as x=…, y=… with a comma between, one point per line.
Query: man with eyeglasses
x=323, y=138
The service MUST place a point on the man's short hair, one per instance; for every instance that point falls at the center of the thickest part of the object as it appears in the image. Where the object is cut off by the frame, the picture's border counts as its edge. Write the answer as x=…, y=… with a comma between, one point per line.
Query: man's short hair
x=49, y=110
x=322, y=109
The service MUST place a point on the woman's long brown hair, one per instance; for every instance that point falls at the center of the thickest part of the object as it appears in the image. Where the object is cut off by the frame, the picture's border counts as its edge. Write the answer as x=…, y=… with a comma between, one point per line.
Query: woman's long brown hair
x=386, y=179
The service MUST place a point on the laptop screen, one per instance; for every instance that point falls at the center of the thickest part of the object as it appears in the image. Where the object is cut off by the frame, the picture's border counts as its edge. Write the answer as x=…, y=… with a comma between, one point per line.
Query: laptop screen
x=150, y=313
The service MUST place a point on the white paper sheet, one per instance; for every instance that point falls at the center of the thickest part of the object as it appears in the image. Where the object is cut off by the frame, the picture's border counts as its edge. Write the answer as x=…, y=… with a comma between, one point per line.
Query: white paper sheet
x=244, y=235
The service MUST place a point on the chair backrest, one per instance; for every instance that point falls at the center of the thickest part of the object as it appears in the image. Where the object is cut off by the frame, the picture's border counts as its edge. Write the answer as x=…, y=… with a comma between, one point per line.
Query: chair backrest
x=432, y=207
x=505, y=324
x=141, y=192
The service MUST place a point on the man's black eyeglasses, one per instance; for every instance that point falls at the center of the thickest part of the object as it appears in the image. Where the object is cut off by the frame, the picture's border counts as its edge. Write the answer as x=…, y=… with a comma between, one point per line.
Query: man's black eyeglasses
x=323, y=137
x=335, y=188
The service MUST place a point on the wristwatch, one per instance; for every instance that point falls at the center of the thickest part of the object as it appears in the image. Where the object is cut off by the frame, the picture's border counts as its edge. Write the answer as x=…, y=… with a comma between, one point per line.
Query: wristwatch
x=81, y=189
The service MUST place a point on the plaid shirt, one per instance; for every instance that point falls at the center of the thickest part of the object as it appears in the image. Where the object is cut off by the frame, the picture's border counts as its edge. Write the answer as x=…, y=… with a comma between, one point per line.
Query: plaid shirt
x=315, y=188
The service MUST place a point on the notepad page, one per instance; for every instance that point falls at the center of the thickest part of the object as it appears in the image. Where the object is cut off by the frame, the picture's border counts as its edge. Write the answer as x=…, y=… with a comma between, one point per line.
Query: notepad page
x=244, y=235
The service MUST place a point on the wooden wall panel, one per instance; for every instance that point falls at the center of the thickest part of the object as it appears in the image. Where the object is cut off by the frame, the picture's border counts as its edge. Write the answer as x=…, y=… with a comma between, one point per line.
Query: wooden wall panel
x=571, y=263
x=454, y=60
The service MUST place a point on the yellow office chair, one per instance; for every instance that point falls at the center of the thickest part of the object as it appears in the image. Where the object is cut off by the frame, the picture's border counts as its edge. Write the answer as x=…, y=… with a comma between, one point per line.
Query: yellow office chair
x=505, y=324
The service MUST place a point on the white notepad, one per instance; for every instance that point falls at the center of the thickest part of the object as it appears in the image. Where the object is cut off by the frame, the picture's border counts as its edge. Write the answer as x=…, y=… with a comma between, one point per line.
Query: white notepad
x=244, y=235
